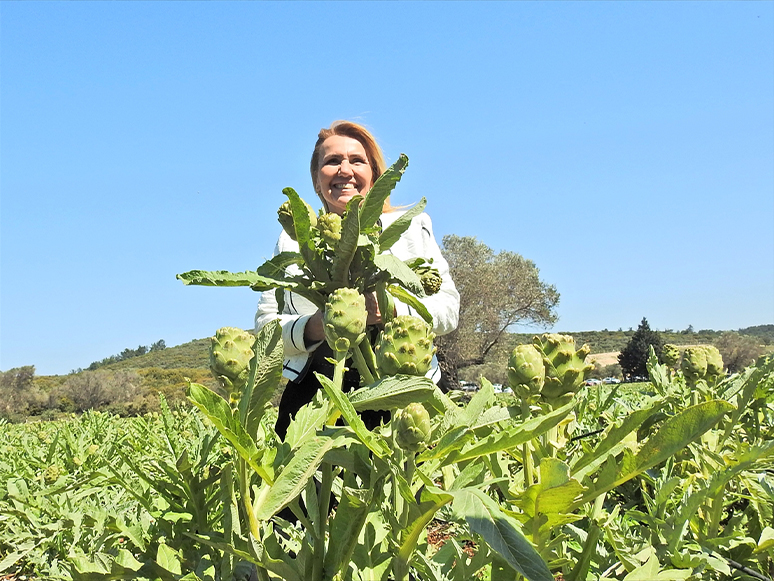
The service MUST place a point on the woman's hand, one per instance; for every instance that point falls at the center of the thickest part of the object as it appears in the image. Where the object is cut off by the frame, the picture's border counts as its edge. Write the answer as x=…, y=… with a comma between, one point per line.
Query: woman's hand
x=372, y=306
x=314, y=331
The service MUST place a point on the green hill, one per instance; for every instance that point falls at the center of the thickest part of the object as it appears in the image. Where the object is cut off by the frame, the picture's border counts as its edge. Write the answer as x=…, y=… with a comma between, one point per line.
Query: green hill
x=191, y=355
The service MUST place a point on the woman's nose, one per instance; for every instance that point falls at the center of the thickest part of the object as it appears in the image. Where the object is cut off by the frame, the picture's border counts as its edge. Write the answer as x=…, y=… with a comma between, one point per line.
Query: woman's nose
x=345, y=167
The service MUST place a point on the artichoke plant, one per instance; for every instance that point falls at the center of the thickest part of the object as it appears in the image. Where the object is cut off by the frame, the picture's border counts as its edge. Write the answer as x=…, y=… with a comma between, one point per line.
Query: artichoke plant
x=412, y=427
x=670, y=354
x=566, y=368
x=715, y=365
x=231, y=350
x=405, y=346
x=344, y=319
x=694, y=364
x=526, y=373
x=285, y=218
x=329, y=226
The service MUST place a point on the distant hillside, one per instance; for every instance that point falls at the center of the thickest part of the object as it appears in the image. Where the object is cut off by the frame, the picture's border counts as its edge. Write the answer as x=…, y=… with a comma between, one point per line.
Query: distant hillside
x=765, y=332
x=191, y=355
x=609, y=341
x=195, y=354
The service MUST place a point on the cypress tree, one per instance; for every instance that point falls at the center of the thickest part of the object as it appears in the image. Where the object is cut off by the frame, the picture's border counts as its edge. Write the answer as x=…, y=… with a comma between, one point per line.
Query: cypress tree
x=634, y=356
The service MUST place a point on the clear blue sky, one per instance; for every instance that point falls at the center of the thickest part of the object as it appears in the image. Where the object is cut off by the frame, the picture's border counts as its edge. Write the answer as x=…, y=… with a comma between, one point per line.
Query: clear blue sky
x=627, y=148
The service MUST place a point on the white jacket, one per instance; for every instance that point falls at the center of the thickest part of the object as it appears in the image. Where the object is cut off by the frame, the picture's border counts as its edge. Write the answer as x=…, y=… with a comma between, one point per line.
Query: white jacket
x=417, y=241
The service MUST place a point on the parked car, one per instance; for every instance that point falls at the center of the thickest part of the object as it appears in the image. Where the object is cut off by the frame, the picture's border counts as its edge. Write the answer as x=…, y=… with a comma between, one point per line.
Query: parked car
x=593, y=381
x=611, y=380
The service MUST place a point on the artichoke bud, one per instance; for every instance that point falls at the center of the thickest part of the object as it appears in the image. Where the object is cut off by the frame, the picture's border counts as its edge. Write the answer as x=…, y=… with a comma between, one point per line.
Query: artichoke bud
x=670, y=354
x=285, y=218
x=405, y=346
x=329, y=226
x=567, y=370
x=526, y=372
x=715, y=366
x=431, y=281
x=231, y=350
x=344, y=319
x=51, y=474
x=412, y=427
x=694, y=364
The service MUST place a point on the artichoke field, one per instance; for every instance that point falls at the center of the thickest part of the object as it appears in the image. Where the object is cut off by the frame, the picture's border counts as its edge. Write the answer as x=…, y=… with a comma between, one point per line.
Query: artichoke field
x=559, y=480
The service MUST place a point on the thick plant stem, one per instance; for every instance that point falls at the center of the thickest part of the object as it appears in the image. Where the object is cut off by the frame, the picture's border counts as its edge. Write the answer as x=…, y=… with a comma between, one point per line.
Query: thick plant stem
x=716, y=512
x=244, y=491
x=408, y=471
x=370, y=358
x=362, y=365
x=526, y=451
x=323, y=505
x=385, y=301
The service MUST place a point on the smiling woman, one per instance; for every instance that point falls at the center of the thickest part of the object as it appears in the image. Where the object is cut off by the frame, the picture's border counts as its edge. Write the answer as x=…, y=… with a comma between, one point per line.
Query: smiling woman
x=346, y=162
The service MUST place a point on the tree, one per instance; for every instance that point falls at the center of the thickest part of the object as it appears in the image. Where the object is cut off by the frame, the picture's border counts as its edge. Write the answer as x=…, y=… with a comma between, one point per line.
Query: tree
x=634, y=356
x=738, y=351
x=496, y=292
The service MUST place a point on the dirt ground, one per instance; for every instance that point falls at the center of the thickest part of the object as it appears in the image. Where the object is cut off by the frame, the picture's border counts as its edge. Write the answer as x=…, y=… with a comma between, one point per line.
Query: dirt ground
x=604, y=358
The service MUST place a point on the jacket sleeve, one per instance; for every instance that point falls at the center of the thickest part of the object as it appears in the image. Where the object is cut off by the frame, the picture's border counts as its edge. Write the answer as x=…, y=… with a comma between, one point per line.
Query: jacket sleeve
x=294, y=317
x=444, y=306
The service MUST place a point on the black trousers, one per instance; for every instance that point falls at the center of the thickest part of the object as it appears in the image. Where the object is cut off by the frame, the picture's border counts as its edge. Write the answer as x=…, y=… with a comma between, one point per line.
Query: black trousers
x=300, y=392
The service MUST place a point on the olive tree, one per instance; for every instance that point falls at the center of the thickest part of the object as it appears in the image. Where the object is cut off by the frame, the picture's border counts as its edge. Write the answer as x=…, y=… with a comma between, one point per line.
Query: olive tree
x=497, y=291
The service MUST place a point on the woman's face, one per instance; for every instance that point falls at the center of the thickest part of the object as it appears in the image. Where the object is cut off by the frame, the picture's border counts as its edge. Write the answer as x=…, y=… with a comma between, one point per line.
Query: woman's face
x=344, y=172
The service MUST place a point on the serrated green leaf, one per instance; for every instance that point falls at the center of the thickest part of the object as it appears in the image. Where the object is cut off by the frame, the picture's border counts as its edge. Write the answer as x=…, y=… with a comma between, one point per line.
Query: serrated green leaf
x=345, y=249
x=374, y=442
x=223, y=278
x=294, y=477
x=223, y=418
x=400, y=272
x=168, y=559
x=407, y=298
x=265, y=375
x=373, y=204
x=392, y=392
x=394, y=231
x=511, y=437
x=501, y=532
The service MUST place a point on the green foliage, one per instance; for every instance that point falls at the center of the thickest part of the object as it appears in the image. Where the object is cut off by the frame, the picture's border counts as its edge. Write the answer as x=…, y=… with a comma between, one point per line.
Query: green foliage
x=633, y=358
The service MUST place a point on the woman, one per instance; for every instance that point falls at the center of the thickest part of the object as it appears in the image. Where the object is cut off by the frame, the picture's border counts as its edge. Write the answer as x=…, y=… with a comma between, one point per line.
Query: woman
x=346, y=162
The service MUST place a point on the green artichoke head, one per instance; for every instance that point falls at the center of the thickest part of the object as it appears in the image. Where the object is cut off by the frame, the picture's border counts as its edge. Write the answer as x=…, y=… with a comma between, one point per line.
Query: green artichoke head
x=431, y=281
x=715, y=365
x=329, y=226
x=566, y=367
x=526, y=372
x=412, y=427
x=405, y=346
x=670, y=354
x=231, y=350
x=694, y=364
x=285, y=218
x=344, y=319
x=51, y=474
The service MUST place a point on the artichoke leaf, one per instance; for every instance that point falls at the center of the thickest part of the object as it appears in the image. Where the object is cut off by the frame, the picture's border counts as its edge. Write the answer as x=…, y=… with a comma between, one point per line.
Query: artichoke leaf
x=265, y=375
x=345, y=250
x=301, y=221
x=392, y=392
x=223, y=278
x=380, y=191
x=400, y=273
x=406, y=297
x=394, y=231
